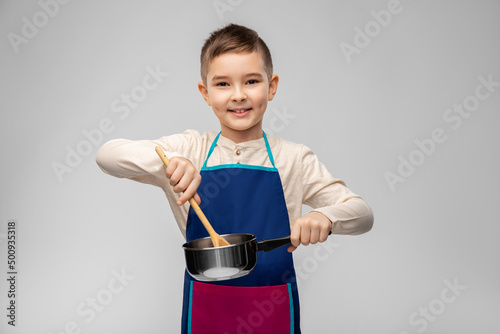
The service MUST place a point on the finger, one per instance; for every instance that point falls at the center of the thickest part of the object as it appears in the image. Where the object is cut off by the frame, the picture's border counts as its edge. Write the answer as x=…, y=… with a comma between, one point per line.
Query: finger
x=185, y=181
x=324, y=234
x=190, y=191
x=315, y=233
x=183, y=199
x=291, y=248
x=305, y=235
x=197, y=198
x=176, y=177
x=295, y=234
x=172, y=166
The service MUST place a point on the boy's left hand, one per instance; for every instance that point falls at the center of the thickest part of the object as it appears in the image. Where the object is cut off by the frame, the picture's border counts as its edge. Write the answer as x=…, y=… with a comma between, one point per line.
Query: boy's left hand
x=309, y=229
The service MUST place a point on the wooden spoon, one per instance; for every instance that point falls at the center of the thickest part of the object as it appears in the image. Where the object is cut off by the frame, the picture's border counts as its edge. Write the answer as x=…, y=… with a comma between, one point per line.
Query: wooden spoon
x=217, y=240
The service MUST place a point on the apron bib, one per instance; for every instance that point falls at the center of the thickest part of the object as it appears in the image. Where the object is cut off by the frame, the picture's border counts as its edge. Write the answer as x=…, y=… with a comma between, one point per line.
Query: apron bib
x=239, y=198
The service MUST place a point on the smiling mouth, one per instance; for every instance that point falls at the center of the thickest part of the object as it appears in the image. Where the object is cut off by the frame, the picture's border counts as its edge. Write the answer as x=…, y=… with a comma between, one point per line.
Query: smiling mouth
x=239, y=110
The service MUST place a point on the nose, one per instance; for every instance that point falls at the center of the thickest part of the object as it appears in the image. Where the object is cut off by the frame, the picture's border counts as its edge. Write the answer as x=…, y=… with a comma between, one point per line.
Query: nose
x=238, y=94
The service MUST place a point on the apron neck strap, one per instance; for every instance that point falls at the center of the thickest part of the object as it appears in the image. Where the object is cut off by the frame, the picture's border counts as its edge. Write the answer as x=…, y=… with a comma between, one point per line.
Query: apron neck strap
x=268, y=148
x=212, y=147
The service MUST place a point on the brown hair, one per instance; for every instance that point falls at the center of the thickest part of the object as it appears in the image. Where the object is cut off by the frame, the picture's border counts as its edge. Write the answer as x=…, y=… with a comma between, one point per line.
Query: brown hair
x=234, y=38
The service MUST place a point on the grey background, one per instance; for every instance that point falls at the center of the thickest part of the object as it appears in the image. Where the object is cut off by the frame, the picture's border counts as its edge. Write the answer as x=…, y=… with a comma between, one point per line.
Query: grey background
x=440, y=225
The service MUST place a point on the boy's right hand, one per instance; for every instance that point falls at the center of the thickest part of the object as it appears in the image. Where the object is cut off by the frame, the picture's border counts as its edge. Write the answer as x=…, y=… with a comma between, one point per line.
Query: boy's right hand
x=184, y=178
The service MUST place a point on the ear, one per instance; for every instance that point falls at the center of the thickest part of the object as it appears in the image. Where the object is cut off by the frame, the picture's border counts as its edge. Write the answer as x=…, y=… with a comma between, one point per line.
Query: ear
x=273, y=87
x=204, y=92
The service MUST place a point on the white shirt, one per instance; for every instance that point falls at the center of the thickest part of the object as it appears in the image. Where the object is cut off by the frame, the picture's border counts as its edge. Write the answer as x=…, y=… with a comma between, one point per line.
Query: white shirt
x=305, y=180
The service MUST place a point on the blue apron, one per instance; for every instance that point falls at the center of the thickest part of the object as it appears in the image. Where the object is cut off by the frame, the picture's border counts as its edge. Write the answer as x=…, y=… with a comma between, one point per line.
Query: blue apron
x=238, y=198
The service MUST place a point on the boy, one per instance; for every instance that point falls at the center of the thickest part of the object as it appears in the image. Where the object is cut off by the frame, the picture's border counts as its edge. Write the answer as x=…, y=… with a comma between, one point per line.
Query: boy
x=248, y=183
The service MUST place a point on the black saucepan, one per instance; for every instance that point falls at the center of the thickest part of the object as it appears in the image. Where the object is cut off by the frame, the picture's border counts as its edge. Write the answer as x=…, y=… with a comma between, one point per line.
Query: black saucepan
x=207, y=263
x=234, y=255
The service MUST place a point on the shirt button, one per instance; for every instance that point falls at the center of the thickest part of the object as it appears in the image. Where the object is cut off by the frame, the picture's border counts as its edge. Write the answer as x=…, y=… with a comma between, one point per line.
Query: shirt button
x=238, y=152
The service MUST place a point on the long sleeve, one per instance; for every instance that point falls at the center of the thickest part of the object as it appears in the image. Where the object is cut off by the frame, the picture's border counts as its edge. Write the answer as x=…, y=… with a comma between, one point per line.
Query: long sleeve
x=135, y=160
x=348, y=212
x=305, y=180
x=138, y=161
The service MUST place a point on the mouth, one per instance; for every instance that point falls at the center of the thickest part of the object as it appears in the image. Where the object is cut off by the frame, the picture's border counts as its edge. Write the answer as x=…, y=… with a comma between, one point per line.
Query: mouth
x=240, y=112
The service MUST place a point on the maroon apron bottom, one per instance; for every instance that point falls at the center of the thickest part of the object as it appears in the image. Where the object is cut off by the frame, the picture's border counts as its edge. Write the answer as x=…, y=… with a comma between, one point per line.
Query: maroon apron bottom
x=218, y=309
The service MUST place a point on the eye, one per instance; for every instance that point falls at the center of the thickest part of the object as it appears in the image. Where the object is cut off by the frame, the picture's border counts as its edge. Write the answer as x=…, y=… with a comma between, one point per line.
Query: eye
x=222, y=84
x=252, y=82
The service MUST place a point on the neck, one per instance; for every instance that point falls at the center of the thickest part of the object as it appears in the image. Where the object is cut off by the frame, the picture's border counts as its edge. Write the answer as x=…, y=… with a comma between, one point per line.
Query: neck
x=238, y=136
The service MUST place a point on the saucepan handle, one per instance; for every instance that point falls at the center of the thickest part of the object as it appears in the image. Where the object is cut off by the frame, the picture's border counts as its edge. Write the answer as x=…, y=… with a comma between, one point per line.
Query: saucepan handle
x=269, y=245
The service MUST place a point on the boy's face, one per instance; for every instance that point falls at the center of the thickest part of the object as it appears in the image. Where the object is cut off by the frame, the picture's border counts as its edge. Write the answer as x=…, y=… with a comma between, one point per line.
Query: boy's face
x=238, y=90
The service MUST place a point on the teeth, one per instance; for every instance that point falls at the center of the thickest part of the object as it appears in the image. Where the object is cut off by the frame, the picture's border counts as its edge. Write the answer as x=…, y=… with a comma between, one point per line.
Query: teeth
x=240, y=111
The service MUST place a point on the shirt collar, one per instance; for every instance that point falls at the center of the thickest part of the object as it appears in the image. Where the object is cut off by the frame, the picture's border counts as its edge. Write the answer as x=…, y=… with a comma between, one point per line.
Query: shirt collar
x=226, y=142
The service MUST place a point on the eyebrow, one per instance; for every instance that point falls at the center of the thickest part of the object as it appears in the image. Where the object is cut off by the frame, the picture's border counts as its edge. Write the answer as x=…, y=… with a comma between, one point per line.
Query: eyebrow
x=254, y=75
x=219, y=77
x=223, y=77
